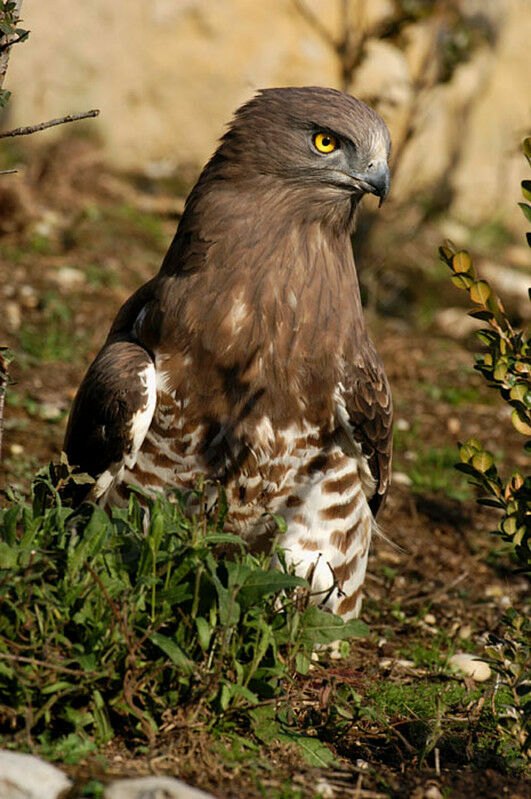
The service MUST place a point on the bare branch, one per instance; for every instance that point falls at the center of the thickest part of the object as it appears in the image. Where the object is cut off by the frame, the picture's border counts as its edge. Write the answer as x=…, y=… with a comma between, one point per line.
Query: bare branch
x=7, y=45
x=50, y=124
x=8, y=171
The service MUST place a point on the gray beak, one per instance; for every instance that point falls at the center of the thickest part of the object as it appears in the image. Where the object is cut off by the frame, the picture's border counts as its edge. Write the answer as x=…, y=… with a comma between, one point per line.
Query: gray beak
x=378, y=177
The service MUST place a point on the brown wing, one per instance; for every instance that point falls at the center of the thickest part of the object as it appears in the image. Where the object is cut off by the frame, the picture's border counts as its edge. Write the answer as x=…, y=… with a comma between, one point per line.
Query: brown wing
x=111, y=414
x=368, y=404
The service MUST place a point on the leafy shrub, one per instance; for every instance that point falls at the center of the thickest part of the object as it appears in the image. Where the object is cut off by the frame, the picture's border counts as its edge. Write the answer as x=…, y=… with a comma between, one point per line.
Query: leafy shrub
x=506, y=366
x=106, y=625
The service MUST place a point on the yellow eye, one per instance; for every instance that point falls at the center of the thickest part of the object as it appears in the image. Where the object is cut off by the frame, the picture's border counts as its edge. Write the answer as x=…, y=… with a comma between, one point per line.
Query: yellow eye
x=325, y=142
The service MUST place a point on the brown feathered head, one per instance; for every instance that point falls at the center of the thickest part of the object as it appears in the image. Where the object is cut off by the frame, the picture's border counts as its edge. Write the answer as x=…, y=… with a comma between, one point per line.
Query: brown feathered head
x=321, y=141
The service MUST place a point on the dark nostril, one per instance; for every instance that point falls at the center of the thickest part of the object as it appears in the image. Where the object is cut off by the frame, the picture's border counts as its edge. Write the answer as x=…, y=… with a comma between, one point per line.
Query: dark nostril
x=370, y=165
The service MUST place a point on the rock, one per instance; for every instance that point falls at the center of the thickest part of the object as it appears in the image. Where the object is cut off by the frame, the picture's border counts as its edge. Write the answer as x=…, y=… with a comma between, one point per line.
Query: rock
x=153, y=788
x=324, y=789
x=432, y=793
x=402, y=424
x=13, y=316
x=69, y=278
x=27, y=777
x=465, y=631
x=471, y=666
x=16, y=449
x=402, y=479
x=454, y=425
x=429, y=618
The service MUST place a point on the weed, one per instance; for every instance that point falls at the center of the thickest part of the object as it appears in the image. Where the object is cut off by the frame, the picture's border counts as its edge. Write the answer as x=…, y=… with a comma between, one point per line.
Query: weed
x=106, y=624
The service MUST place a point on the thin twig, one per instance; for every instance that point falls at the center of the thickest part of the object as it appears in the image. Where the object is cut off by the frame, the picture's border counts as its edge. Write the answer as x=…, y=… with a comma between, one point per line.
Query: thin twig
x=4, y=377
x=53, y=666
x=8, y=171
x=21, y=38
x=26, y=131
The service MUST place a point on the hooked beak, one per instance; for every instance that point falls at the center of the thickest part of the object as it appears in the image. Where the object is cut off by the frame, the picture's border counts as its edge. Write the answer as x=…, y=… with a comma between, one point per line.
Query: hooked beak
x=377, y=179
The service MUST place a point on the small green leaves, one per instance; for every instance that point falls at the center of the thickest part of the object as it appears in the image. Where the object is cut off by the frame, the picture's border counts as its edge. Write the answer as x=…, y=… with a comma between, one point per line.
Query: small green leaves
x=461, y=262
x=482, y=461
x=480, y=291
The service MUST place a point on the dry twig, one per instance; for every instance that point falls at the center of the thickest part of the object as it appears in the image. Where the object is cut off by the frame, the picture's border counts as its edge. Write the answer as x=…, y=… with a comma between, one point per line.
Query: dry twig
x=26, y=131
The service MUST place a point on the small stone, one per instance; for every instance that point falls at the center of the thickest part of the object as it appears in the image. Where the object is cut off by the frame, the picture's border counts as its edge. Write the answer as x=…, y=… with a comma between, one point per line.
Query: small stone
x=429, y=618
x=12, y=314
x=69, y=278
x=153, y=788
x=465, y=631
x=16, y=449
x=324, y=789
x=49, y=411
x=471, y=666
x=28, y=296
x=432, y=793
x=406, y=664
x=402, y=479
x=454, y=425
x=402, y=424
x=27, y=777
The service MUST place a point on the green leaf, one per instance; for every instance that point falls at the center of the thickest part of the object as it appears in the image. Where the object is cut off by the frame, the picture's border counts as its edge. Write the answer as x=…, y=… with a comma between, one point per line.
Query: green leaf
x=320, y=627
x=520, y=423
x=462, y=262
x=482, y=461
x=204, y=632
x=260, y=583
x=313, y=751
x=174, y=652
x=526, y=146
x=8, y=556
x=480, y=291
x=462, y=281
x=526, y=210
x=526, y=189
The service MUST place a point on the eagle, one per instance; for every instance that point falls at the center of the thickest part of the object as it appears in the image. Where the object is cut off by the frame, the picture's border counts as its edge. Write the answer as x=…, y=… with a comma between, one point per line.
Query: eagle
x=246, y=362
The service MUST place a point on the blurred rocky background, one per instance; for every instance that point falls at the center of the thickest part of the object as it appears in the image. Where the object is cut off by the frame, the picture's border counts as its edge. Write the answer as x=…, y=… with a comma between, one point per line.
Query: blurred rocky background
x=451, y=78
x=94, y=204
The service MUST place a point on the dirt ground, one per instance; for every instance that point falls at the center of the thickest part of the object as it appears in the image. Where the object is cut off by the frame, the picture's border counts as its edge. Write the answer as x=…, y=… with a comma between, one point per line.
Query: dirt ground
x=76, y=241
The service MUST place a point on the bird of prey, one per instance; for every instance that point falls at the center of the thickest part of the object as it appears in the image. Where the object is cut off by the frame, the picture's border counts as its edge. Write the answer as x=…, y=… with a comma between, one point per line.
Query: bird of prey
x=245, y=362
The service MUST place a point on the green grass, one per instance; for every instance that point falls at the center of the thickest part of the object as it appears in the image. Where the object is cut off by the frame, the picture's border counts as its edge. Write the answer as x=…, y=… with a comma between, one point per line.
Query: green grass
x=108, y=627
x=54, y=338
x=433, y=468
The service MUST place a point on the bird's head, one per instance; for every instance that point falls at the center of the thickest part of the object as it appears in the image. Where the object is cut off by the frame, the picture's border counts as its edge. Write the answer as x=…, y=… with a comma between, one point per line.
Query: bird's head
x=324, y=144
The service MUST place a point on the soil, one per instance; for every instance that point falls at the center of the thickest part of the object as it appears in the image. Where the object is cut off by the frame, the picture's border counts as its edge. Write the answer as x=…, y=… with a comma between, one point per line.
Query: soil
x=73, y=248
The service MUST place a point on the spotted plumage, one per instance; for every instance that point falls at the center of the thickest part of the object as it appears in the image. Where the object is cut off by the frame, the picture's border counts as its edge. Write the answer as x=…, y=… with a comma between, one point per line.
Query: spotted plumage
x=246, y=359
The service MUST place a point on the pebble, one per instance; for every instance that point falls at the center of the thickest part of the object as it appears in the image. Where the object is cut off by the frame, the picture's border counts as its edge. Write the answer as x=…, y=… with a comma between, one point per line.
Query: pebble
x=429, y=618
x=13, y=315
x=324, y=789
x=153, y=788
x=471, y=666
x=16, y=449
x=69, y=278
x=402, y=479
x=432, y=793
x=402, y=424
x=465, y=631
x=28, y=777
